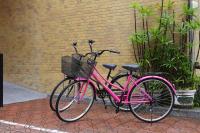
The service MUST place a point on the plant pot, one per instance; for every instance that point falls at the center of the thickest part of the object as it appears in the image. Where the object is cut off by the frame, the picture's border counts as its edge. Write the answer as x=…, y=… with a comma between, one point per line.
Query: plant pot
x=184, y=98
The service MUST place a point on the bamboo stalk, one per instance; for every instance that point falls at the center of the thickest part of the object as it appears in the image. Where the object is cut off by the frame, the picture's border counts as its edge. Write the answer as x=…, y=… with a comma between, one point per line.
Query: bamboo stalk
x=138, y=50
x=198, y=48
x=134, y=52
x=148, y=43
x=144, y=47
x=194, y=67
x=190, y=49
x=189, y=17
x=180, y=42
x=174, y=24
x=182, y=47
x=161, y=13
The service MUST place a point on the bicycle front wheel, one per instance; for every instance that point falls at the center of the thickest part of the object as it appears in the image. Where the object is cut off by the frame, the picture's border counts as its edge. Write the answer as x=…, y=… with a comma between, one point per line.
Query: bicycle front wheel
x=75, y=101
x=155, y=98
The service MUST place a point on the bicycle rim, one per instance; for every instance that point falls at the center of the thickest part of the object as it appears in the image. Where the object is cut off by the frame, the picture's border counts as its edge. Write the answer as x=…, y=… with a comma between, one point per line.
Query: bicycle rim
x=56, y=91
x=75, y=101
x=155, y=98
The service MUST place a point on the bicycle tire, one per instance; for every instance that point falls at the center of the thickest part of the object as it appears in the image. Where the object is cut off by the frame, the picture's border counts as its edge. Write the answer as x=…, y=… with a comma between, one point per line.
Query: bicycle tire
x=55, y=92
x=159, y=99
x=76, y=102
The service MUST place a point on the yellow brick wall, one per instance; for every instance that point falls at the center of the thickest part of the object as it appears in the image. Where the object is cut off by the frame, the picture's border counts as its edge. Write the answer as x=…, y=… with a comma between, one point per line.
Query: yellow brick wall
x=34, y=34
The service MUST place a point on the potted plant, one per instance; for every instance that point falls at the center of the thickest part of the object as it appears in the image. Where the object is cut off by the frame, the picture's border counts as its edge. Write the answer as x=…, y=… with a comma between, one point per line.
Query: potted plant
x=185, y=94
x=168, y=47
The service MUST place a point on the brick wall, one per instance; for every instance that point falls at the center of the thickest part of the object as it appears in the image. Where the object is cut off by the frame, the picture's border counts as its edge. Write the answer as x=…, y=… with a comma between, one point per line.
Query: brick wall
x=34, y=34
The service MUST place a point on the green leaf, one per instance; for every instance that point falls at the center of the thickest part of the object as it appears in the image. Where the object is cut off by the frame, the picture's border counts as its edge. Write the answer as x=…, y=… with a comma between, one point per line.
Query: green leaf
x=183, y=28
x=188, y=11
x=193, y=24
x=145, y=11
x=189, y=45
x=166, y=19
x=155, y=33
x=135, y=5
x=165, y=41
x=170, y=4
x=139, y=38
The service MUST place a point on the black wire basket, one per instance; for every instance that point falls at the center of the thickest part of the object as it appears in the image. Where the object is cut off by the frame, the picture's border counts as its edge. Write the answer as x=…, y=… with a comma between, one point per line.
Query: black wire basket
x=77, y=66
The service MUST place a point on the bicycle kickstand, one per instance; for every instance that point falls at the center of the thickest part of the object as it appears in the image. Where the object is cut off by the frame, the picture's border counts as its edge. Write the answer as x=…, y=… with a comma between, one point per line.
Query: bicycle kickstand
x=117, y=109
x=104, y=102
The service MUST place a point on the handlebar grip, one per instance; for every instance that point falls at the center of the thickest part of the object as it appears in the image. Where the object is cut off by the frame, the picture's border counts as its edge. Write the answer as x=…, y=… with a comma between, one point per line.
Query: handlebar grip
x=91, y=41
x=113, y=51
x=74, y=44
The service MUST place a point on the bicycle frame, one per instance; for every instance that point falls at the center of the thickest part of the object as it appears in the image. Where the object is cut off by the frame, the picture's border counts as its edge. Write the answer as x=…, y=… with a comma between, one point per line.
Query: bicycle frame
x=146, y=98
x=98, y=77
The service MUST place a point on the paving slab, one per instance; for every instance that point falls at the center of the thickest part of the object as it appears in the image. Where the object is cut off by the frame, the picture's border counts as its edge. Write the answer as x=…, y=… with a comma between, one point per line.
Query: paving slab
x=14, y=93
x=97, y=120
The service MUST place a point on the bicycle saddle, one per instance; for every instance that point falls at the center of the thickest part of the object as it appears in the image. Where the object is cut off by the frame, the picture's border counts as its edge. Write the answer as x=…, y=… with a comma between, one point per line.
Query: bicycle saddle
x=131, y=67
x=110, y=66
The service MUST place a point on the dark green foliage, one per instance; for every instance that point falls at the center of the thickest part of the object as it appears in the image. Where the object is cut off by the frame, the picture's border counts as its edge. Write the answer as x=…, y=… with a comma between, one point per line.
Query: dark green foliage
x=139, y=37
x=197, y=98
x=187, y=11
x=163, y=53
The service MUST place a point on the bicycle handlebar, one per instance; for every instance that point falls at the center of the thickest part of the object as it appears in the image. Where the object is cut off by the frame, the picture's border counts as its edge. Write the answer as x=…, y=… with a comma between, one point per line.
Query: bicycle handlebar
x=111, y=51
x=98, y=53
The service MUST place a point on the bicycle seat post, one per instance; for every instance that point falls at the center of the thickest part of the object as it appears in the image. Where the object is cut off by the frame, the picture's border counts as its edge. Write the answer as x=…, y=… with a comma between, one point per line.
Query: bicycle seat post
x=110, y=70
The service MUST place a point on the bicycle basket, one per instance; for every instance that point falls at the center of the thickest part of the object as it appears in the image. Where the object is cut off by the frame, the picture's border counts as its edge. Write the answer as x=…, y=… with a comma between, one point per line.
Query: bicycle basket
x=66, y=65
x=74, y=66
x=82, y=67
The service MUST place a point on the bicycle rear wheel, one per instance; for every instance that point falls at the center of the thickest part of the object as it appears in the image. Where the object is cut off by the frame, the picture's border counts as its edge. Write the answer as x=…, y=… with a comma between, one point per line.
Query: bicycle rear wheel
x=75, y=101
x=156, y=100
x=120, y=80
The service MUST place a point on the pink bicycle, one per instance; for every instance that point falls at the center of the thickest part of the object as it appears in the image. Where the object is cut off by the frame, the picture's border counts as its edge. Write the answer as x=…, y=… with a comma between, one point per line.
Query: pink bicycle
x=150, y=98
